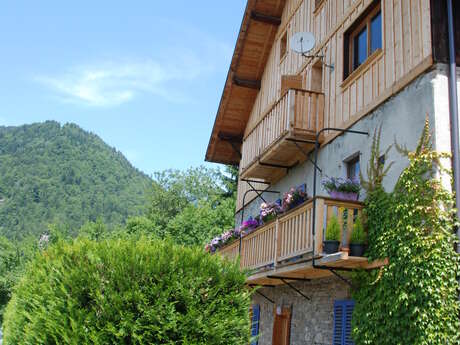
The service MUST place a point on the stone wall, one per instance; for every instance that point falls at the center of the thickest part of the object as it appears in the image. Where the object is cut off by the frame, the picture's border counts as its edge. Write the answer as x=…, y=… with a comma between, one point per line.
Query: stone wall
x=312, y=320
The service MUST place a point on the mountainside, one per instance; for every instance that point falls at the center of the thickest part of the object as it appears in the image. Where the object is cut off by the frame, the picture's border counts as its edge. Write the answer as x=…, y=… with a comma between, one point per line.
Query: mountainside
x=62, y=174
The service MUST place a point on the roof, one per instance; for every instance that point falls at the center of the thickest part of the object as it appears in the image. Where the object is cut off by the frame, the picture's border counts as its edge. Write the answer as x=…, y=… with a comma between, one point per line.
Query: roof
x=255, y=40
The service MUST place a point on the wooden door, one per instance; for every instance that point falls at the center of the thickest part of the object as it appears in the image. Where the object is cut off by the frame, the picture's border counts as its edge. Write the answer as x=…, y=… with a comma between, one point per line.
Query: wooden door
x=282, y=326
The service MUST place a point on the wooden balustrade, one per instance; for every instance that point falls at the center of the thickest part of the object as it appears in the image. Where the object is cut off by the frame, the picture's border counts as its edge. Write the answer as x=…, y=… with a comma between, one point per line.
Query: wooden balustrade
x=291, y=235
x=293, y=239
x=297, y=113
x=231, y=251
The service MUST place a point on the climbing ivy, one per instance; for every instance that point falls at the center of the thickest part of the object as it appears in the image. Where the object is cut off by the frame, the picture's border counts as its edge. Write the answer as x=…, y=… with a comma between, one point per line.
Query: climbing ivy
x=413, y=299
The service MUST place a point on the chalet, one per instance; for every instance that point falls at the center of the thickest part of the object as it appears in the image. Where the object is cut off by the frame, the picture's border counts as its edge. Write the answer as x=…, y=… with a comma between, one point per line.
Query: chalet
x=291, y=120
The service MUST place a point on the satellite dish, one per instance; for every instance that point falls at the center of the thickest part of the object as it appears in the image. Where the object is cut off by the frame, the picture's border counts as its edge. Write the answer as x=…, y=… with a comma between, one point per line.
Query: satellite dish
x=302, y=42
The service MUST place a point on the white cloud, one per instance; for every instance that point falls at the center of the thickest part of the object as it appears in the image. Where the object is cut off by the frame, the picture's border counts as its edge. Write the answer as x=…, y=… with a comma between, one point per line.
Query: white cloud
x=110, y=84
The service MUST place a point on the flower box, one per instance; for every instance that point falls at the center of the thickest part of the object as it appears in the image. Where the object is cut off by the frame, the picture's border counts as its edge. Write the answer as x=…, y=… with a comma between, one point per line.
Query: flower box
x=343, y=195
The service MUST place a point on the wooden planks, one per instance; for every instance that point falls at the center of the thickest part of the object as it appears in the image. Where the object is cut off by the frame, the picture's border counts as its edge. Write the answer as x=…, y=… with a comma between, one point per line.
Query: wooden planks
x=406, y=34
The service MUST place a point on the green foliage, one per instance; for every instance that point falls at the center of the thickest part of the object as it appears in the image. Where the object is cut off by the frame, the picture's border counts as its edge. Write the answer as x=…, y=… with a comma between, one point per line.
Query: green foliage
x=358, y=235
x=13, y=258
x=413, y=299
x=191, y=206
x=128, y=292
x=333, y=229
x=376, y=171
x=61, y=174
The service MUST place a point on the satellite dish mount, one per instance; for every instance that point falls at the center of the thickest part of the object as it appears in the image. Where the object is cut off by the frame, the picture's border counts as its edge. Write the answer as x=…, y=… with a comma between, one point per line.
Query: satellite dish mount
x=303, y=43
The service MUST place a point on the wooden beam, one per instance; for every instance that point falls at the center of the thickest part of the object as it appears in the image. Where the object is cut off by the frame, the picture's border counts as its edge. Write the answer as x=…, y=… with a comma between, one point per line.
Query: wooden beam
x=237, y=139
x=264, y=18
x=250, y=84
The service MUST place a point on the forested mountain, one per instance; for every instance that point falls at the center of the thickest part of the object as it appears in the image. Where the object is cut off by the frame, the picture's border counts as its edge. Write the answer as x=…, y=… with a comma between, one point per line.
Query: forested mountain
x=63, y=175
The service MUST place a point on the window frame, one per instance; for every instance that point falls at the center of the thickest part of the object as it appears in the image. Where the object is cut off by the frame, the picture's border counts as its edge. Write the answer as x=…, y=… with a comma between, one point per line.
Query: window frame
x=352, y=160
x=363, y=22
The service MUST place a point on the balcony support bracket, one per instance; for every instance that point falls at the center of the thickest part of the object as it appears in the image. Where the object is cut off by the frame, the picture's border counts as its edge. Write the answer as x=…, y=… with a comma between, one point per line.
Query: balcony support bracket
x=333, y=271
x=306, y=154
x=284, y=280
x=263, y=295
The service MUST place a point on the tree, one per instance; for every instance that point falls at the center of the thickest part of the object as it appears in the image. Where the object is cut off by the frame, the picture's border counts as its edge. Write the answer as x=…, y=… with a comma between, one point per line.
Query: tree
x=129, y=292
x=191, y=206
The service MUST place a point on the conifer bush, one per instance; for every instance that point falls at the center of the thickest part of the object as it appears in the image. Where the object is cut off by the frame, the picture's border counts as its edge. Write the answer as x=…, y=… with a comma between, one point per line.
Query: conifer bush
x=128, y=292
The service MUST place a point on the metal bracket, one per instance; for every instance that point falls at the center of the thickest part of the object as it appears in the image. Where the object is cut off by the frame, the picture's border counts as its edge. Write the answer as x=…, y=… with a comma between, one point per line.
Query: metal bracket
x=307, y=156
x=333, y=271
x=322, y=60
x=263, y=295
x=284, y=280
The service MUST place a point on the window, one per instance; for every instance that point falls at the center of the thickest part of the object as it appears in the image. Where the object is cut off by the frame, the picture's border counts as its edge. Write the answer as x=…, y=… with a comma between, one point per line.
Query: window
x=353, y=167
x=363, y=39
x=283, y=45
x=255, y=317
x=343, y=311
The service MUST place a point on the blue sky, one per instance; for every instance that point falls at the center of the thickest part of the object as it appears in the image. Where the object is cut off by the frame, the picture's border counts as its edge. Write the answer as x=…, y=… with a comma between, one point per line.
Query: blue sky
x=146, y=76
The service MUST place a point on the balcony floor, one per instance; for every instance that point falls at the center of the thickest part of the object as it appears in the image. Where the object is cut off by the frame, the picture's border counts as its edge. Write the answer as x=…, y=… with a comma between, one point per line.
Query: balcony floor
x=305, y=270
x=285, y=153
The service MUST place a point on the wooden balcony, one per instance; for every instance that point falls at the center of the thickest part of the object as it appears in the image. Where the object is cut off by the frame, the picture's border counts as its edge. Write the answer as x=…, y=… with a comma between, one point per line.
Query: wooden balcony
x=273, y=143
x=284, y=247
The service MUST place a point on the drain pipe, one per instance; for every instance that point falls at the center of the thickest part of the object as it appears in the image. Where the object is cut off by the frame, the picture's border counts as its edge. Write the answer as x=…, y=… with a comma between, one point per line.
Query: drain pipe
x=453, y=107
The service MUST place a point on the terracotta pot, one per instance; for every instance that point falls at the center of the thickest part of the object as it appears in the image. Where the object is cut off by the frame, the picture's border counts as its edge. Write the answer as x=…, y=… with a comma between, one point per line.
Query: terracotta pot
x=330, y=247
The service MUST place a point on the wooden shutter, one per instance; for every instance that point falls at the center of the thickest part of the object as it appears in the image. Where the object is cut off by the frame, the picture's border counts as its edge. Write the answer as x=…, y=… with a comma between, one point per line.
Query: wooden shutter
x=343, y=311
x=255, y=317
x=282, y=327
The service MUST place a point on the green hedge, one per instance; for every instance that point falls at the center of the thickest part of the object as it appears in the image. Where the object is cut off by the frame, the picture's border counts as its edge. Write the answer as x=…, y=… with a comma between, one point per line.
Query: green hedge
x=128, y=292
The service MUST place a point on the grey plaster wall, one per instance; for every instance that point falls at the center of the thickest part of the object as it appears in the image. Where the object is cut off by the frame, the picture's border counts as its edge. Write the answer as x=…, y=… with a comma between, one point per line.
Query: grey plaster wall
x=402, y=118
x=312, y=320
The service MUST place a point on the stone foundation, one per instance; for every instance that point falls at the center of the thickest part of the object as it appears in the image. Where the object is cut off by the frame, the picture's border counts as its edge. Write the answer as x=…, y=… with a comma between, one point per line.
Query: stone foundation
x=312, y=320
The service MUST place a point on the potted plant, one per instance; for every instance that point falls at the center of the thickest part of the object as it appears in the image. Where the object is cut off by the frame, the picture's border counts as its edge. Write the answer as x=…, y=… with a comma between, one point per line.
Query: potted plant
x=344, y=189
x=294, y=198
x=269, y=211
x=358, y=239
x=332, y=242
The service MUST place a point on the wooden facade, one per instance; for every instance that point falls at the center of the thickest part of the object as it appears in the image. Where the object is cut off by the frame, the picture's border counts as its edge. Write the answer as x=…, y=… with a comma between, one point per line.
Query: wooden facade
x=406, y=53
x=286, y=99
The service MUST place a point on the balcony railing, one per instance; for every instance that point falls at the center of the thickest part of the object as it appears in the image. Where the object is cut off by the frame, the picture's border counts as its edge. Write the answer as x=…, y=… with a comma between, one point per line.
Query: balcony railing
x=298, y=114
x=290, y=236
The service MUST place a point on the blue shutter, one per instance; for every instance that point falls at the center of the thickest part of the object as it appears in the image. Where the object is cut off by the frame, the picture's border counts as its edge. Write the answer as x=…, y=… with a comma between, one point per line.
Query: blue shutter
x=255, y=323
x=343, y=311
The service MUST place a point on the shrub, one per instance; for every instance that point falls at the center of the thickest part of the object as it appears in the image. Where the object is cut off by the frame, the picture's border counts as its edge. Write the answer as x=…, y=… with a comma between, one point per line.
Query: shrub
x=333, y=229
x=358, y=236
x=128, y=292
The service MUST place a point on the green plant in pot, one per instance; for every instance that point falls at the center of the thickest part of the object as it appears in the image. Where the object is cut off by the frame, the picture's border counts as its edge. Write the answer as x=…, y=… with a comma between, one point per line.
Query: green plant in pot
x=358, y=239
x=332, y=242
